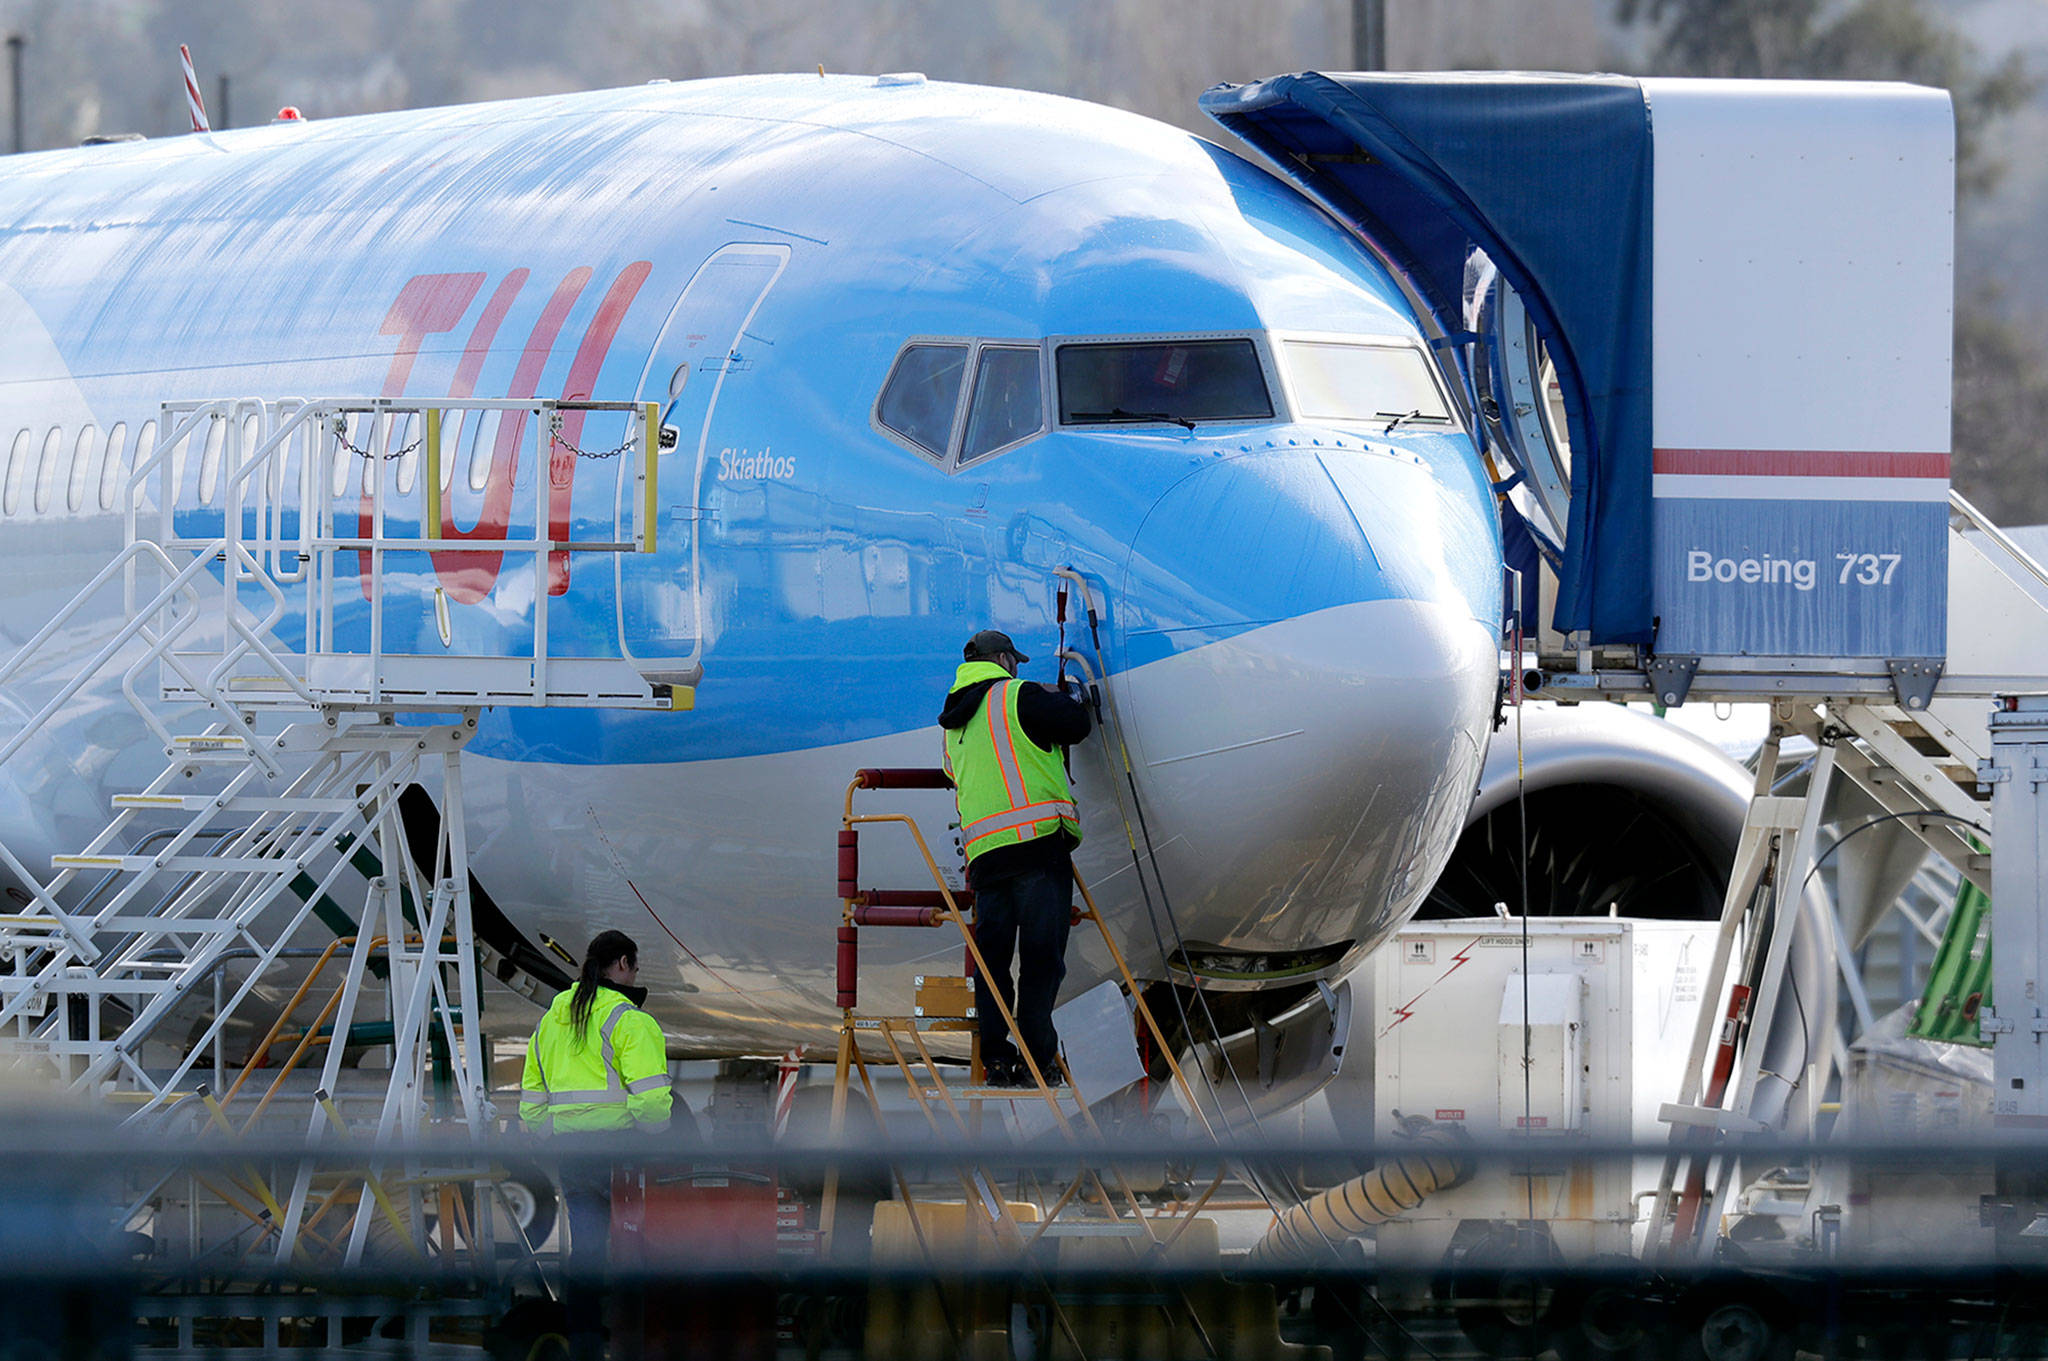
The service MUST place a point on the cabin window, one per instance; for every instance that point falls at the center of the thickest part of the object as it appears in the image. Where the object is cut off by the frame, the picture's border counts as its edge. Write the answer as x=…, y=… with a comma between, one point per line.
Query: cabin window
x=1335, y=381
x=401, y=443
x=1155, y=381
x=46, y=470
x=483, y=437
x=110, y=466
x=252, y=437
x=1008, y=405
x=341, y=462
x=452, y=421
x=17, y=472
x=923, y=394
x=145, y=450
x=81, y=467
x=209, y=460
x=175, y=458
x=282, y=466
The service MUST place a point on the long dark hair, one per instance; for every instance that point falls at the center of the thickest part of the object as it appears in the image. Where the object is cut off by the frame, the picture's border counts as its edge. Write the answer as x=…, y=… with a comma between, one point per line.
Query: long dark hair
x=607, y=949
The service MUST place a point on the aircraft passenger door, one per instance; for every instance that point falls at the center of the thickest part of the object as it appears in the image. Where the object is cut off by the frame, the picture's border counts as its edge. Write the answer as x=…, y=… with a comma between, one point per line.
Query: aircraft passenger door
x=701, y=348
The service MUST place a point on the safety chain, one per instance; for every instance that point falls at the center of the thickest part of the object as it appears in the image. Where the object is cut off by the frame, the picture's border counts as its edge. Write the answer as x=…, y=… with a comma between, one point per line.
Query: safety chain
x=340, y=429
x=555, y=438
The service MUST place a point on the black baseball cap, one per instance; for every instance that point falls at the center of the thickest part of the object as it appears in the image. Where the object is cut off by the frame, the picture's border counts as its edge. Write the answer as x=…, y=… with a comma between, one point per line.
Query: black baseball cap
x=988, y=644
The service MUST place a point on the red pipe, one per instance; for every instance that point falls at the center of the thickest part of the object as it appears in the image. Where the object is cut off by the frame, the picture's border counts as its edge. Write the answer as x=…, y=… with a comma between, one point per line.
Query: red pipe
x=908, y=897
x=849, y=862
x=896, y=916
x=849, y=967
x=1685, y=1218
x=897, y=777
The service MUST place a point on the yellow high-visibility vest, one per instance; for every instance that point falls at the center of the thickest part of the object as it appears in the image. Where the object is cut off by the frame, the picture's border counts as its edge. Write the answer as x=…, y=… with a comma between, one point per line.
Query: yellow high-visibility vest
x=1008, y=788
x=612, y=1075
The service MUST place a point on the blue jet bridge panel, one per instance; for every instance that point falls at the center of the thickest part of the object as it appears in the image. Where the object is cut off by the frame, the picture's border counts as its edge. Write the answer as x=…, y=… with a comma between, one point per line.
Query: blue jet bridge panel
x=1747, y=311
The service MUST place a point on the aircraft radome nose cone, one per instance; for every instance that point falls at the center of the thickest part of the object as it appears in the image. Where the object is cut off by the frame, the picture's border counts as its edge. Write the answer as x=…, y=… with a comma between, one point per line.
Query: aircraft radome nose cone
x=1308, y=732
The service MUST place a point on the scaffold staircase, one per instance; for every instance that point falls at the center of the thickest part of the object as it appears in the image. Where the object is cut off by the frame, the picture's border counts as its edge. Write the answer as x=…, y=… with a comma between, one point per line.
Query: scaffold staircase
x=945, y=1005
x=1912, y=738
x=253, y=649
x=1090, y=1214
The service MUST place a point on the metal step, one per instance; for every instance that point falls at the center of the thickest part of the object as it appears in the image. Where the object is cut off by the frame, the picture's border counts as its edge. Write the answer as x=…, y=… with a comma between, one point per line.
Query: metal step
x=219, y=864
x=206, y=742
x=243, y=803
x=13, y=985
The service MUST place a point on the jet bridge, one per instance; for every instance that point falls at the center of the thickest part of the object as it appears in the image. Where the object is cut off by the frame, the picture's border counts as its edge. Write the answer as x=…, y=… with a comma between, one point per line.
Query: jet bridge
x=1704, y=327
x=1704, y=333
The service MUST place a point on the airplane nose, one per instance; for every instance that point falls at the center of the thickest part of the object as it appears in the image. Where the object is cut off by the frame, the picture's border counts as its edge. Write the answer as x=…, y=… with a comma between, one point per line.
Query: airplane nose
x=1311, y=645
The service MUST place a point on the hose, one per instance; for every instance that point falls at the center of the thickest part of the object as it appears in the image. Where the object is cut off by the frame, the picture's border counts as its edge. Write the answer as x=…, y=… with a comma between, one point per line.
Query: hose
x=1313, y=1229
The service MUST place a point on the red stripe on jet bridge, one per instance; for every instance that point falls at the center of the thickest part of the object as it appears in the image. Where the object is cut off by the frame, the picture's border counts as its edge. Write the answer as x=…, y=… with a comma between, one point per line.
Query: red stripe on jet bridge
x=1798, y=463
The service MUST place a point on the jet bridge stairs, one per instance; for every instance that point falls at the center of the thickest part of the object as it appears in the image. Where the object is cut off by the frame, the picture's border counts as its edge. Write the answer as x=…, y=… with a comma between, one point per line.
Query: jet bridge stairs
x=258, y=648
x=1921, y=740
x=1702, y=330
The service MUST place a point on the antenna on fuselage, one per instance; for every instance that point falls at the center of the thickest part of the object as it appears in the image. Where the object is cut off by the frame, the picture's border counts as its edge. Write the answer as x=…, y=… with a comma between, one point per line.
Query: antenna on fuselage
x=195, y=104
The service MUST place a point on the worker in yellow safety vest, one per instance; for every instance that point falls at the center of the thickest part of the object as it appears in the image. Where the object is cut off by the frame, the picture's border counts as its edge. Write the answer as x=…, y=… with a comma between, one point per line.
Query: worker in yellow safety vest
x=1019, y=826
x=596, y=1068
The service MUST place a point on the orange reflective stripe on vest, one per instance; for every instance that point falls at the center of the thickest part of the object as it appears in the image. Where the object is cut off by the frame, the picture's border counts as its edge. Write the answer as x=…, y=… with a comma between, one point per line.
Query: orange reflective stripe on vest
x=1052, y=810
x=996, y=708
x=1009, y=789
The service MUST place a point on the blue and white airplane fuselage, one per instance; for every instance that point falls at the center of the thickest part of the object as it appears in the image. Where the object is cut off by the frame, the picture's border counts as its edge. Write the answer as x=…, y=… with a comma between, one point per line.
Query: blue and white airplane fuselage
x=922, y=346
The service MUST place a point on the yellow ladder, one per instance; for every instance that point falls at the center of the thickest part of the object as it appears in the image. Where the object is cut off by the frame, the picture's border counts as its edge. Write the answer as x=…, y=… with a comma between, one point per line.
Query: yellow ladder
x=904, y=1038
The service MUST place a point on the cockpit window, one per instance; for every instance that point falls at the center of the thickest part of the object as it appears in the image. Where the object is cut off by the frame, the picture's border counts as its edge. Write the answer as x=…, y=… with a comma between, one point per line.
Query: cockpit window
x=1007, y=405
x=1178, y=381
x=1334, y=381
x=922, y=394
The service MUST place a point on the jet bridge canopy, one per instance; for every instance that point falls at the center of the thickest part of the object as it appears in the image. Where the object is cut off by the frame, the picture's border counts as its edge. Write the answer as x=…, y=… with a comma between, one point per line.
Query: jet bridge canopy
x=1745, y=290
x=1550, y=177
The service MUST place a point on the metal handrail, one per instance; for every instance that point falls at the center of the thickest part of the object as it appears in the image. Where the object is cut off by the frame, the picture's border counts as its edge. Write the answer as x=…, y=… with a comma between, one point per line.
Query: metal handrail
x=300, y=428
x=1961, y=505
x=949, y=909
x=208, y=647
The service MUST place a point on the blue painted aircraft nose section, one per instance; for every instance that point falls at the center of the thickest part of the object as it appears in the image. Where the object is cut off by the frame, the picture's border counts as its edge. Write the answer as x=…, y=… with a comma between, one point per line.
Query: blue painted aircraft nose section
x=1277, y=533
x=1309, y=711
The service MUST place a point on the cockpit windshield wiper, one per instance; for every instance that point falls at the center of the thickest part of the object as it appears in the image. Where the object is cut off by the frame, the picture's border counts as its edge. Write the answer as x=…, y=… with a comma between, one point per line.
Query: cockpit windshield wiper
x=1395, y=418
x=1117, y=413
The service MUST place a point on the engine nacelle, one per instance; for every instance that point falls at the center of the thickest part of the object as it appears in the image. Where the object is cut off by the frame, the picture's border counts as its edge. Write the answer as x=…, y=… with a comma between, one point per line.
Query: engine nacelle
x=1621, y=813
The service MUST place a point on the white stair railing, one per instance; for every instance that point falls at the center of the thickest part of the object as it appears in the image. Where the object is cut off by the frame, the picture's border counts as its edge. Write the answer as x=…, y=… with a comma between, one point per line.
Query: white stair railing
x=211, y=583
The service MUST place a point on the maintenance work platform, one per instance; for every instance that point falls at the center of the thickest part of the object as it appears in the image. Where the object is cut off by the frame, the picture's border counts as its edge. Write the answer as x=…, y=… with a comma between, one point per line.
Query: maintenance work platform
x=1431, y=989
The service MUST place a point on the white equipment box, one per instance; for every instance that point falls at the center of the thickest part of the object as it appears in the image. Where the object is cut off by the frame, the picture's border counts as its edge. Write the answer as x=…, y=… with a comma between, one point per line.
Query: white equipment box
x=1611, y=1006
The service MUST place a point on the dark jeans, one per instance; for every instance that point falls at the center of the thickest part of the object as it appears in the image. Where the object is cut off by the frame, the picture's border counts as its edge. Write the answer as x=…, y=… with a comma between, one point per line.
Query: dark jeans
x=1025, y=916
x=587, y=1196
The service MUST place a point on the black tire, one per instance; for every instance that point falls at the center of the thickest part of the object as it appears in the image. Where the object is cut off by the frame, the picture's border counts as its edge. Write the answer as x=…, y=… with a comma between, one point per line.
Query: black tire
x=1602, y=1312
x=1504, y=1289
x=1733, y=1324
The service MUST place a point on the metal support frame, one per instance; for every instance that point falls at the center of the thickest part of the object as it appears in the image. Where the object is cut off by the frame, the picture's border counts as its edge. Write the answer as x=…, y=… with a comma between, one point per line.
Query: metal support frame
x=302, y=750
x=2018, y=1020
x=930, y=1091
x=1909, y=762
x=275, y=479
